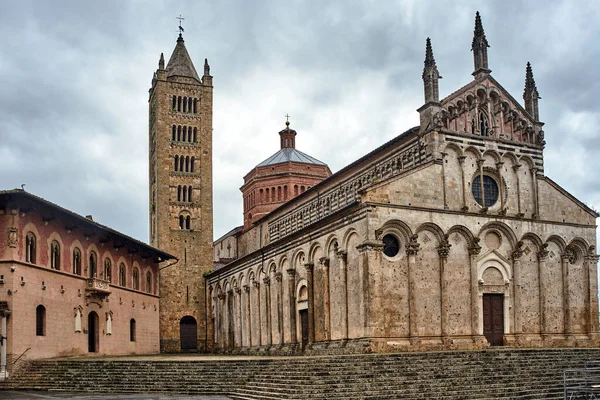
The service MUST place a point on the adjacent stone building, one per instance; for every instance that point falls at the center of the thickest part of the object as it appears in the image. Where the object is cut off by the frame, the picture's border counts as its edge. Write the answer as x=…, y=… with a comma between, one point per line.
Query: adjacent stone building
x=180, y=176
x=448, y=236
x=71, y=286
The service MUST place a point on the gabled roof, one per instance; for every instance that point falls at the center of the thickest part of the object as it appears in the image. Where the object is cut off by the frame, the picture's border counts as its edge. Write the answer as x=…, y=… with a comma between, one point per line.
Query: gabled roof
x=290, y=154
x=20, y=197
x=180, y=63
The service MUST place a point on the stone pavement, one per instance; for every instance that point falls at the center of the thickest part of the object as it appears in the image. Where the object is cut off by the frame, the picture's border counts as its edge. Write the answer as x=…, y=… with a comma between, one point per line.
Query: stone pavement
x=33, y=395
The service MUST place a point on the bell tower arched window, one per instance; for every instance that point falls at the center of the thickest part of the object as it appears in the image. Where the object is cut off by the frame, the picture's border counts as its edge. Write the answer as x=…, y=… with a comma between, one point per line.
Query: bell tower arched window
x=484, y=126
x=30, y=248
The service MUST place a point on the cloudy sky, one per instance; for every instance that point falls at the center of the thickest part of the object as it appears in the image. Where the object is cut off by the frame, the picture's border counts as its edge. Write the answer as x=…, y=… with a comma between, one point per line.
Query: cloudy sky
x=74, y=80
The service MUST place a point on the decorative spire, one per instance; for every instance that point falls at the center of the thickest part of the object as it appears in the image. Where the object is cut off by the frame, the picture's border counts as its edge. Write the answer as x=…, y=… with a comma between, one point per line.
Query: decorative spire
x=479, y=47
x=431, y=76
x=531, y=94
x=206, y=67
x=180, y=63
x=161, y=62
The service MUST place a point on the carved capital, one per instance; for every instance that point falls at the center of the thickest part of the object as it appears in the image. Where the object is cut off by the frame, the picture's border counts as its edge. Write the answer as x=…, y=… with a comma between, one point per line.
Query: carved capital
x=480, y=162
x=516, y=167
x=324, y=261
x=369, y=246
x=412, y=248
x=499, y=165
x=518, y=251
x=444, y=248
x=230, y=292
x=309, y=267
x=267, y=281
x=278, y=277
x=221, y=296
x=256, y=284
x=569, y=255
x=238, y=290
x=291, y=271
x=543, y=253
x=461, y=159
x=246, y=288
x=342, y=255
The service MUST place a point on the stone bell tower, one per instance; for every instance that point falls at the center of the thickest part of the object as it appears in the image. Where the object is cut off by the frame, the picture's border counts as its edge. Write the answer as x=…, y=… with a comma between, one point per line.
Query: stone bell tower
x=180, y=134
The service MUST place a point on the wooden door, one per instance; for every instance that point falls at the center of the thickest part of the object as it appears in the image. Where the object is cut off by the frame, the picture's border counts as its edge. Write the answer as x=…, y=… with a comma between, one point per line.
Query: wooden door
x=304, y=327
x=188, y=335
x=493, y=318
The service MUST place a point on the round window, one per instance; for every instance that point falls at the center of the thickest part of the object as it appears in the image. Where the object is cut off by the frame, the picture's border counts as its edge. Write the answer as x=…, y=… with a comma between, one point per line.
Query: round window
x=391, y=245
x=490, y=190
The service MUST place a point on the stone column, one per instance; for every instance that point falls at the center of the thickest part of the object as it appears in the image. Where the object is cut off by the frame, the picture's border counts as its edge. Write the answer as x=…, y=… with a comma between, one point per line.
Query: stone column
x=210, y=323
x=480, y=167
x=412, y=250
x=566, y=257
x=367, y=251
x=592, y=272
x=543, y=288
x=342, y=257
x=476, y=329
x=324, y=261
x=279, y=278
x=292, y=302
x=461, y=161
x=534, y=183
x=516, y=169
x=499, y=166
x=267, y=282
x=240, y=337
x=444, y=180
x=256, y=285
x=221, y=313
x=311, y=301
x=230, y=322
x=443, y=253
x=248, y=315
x=516, y=256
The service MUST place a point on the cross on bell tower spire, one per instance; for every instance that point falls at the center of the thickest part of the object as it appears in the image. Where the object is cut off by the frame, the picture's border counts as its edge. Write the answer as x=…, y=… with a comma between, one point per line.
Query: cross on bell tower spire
x=479, y=47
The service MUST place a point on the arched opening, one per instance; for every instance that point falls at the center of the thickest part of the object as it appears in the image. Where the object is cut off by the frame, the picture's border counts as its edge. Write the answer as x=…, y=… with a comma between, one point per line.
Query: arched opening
x=40, y=320
x=179, y=133
x=148, y=282
x=187, y=164
x=176, y=163
x=181, y=163
x=179, y=103
x=107, y=270
x=76, y=261
x=195, y=132
x=192, y=164
x=122, y=274
x=188, y=334
x=189, y=194
x=302, y=305
x=184, y=136
x=189, y=134
x=179, y=193
x=181, y=222
x=93, y=265
x=132, y=330
x=185, y=104
x=195, y=106
x=30, y=248
x=136, y=279
x=185, y=193
x=93, y=336
x=55, y=255
x=188, y=221
x=173, y=136
x=174, y=103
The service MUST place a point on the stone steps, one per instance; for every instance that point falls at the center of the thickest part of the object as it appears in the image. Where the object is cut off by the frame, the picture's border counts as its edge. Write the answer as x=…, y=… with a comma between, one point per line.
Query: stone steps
x=474, y=375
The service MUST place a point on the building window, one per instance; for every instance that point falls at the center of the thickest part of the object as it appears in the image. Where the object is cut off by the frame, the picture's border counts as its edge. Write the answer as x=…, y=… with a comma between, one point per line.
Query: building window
x=188, y=220
x=195, y=106
x=179, y=133
x=391, y=245
x=174, y=103
x=107, y=270
x=40, y=320
x=179, y=103
x=93, y=265
x=189, y=194
x=136, y=279
x=185, y=193
x=77, y=261
x=30, y=248
x=490, y=191
x=148, y=282
x=192, y=165
x=176, y=163
x=484, y=126
x=122, y=275
x=55, y=255
x=195, y=133
x=132, y=330
x=181, y=222
x=174, y=133
x=181, y=163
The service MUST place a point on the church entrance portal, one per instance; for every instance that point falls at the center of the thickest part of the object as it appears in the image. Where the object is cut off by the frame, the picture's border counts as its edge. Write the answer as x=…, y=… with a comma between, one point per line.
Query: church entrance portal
x=93, y=332
x=493, y=318
x=188, y=335
x=304, y=327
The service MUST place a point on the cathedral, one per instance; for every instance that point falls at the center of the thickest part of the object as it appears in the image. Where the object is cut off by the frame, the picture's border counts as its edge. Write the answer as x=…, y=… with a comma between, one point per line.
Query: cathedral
x=449, y=236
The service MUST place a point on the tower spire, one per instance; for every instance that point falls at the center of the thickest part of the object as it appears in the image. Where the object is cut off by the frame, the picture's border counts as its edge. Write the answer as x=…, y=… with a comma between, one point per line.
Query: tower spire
x=479, y=47
x=161, y=61
x=531, y=94
x=431, y=76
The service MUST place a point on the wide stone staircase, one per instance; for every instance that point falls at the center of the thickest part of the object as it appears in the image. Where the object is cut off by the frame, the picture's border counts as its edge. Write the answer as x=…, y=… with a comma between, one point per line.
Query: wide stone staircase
x=486, y=374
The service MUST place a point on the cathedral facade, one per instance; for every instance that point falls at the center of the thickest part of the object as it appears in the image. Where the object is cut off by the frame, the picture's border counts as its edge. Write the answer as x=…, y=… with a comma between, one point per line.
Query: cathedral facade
x=448, y=236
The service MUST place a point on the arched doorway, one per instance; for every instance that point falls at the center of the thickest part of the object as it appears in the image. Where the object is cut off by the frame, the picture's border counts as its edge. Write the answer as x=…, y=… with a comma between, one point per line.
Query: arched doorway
x=302, y=307
x=188, y=335
x=93, y=332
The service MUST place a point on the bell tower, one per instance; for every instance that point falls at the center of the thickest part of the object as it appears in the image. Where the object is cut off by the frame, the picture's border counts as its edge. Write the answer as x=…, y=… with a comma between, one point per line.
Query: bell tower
x=180, y=138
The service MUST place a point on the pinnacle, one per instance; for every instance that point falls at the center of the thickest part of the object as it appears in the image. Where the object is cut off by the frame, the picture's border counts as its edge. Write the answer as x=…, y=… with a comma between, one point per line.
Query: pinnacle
x=529, y=81
x=478, y=32
x=429, y=60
